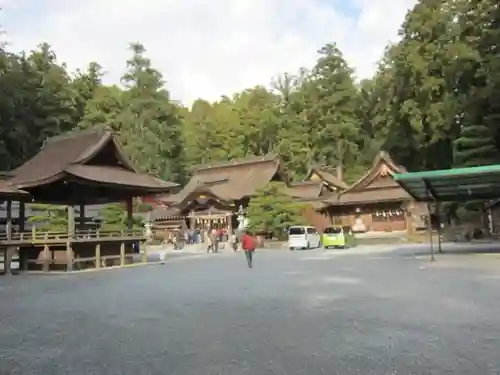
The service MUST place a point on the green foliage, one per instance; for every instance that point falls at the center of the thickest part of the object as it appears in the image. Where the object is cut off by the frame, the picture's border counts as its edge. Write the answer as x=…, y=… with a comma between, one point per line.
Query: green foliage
x=475, y=146
x=37, y=102
x=114, y=217
x=53, y=218
x=431, y=104
x=272, y=211
x=148, y=123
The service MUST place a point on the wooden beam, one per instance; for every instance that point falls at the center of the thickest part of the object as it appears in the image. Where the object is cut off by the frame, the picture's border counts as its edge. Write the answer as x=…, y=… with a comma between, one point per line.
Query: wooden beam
x=98, y=255
x=10, y=250
x=7, y=260
x=46, y=258
x=69, y=257
x=144, y=253
x=8, y=221
x=71, y=221
x=122, y=254
x=22, y=216
x=82, y=216
x=130, y=211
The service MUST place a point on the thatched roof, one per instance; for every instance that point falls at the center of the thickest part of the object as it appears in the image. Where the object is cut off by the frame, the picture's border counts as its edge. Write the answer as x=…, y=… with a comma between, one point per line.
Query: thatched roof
x=231, y=180
x=85, y=158
x=365, y=190
x=308, y=190
x=328, y=175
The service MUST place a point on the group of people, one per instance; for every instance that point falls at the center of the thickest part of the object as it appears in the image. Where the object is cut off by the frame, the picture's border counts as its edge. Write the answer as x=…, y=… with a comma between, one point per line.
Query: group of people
x=213, y=237
x=246, y=242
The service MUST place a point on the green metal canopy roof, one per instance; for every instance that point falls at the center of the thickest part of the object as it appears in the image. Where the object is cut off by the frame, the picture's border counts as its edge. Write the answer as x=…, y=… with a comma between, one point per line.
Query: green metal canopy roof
x=452, y=185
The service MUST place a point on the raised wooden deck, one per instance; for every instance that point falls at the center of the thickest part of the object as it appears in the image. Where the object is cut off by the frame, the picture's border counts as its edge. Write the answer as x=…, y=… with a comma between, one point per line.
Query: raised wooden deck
x=83, y=249
x=42, y=238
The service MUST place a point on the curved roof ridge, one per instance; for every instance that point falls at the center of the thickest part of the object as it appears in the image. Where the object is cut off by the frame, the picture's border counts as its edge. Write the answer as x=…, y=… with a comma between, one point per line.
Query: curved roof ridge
x=331, y=171
x=237, y=162
x=382, y=156
x=75, y=133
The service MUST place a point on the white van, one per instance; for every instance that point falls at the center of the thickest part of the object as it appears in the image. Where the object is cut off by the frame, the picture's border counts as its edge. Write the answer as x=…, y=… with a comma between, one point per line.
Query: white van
x=303, y=237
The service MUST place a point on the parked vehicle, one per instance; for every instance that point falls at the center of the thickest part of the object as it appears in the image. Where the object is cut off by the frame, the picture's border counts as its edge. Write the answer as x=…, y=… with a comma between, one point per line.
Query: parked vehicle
x=303, y=237
x=339, y=237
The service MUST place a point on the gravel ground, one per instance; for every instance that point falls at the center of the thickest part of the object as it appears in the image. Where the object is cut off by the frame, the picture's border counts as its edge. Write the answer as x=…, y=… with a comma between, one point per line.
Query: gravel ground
x=304, y=312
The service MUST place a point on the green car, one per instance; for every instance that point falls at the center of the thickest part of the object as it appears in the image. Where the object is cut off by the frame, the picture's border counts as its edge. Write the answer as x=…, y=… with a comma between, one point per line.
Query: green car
x=338, y=237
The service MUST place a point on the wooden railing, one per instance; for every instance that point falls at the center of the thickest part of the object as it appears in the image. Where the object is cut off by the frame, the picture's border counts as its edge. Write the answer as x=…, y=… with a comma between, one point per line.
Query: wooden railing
x=78, y=235
x=57, y=248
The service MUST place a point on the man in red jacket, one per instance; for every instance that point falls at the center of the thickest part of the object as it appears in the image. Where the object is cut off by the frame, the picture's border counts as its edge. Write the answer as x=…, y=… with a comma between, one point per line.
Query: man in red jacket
x=248, y=246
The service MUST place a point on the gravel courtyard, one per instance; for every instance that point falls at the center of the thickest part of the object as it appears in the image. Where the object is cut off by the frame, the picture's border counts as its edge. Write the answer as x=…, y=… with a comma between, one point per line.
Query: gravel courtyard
x=304, y=312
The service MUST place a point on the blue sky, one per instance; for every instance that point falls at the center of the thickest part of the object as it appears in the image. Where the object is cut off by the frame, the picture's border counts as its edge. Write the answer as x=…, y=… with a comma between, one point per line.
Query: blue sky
x=206, y=49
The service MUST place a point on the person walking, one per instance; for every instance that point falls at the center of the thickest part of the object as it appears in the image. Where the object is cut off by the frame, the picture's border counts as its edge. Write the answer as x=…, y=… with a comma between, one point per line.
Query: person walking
x=248, y=244
x=233, y=240
x=209, y=239
x=215, y=240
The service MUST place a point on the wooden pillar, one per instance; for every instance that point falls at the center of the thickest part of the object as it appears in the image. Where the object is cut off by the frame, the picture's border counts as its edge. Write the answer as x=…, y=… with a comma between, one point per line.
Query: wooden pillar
x=71, y=222
x=22, y=227
x=81, y=219
x=410, y=226
x=69, y=257
x=98, y=256
x=9, y=250
x=46, y=258
x=122, y=254
x=144, y=254
x=429, y=229
x=7, y=260
x=438, y=214
x=130, y=211
x=22, y=216
x=8, y=221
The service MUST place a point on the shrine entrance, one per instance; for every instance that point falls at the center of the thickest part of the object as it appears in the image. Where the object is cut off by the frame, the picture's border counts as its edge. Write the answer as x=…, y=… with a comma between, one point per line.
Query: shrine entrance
x=203, y=219
x=207, y=213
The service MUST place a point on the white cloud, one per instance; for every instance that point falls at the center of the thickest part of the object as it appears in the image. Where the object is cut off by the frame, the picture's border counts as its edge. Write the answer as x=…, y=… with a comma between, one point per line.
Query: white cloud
x=208, y=48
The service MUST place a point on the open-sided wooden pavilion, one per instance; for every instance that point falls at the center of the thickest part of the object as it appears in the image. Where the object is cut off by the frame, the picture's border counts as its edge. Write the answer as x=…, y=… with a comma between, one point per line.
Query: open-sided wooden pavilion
x=76, y=169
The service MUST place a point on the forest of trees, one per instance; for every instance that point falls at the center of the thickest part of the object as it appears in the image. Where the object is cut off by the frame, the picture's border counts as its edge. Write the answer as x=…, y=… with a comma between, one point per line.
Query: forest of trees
x=433, y=103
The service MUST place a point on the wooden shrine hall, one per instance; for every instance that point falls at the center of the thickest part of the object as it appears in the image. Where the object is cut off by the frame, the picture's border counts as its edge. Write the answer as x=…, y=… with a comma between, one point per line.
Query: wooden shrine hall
x=376, y=202
x=75, y=169
x=215, y=193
